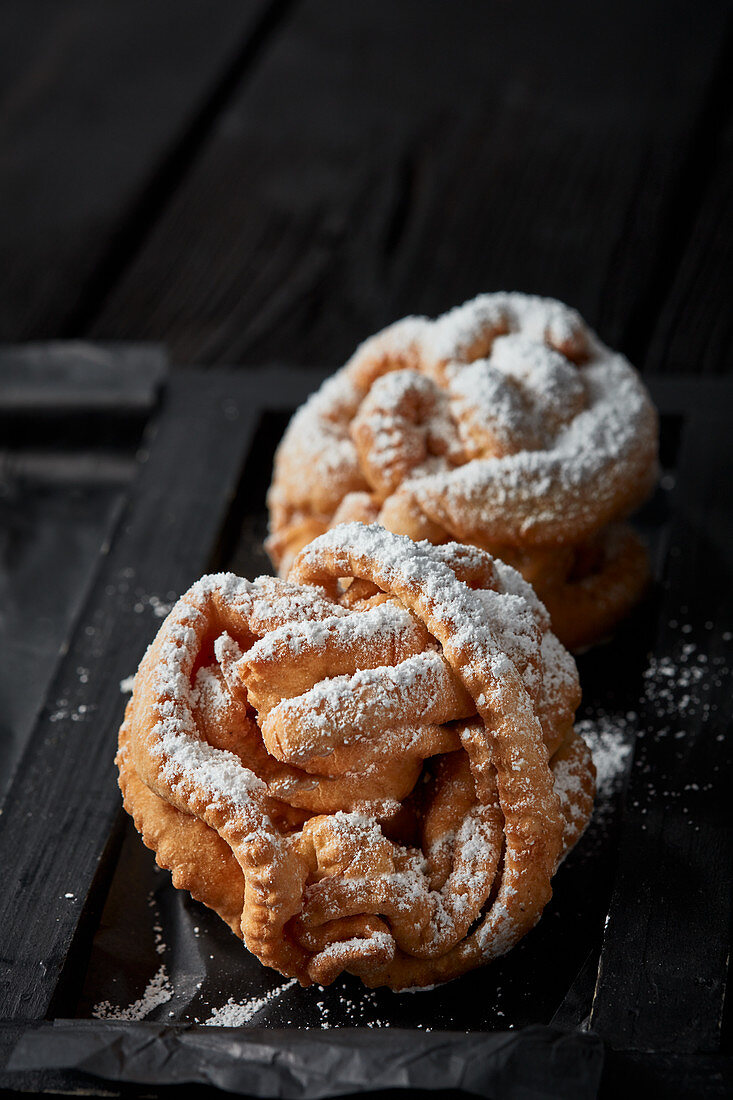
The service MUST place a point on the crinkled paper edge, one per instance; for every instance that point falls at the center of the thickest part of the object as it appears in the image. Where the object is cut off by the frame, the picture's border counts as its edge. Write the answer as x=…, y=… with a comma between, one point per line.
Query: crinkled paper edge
x=534, y=1062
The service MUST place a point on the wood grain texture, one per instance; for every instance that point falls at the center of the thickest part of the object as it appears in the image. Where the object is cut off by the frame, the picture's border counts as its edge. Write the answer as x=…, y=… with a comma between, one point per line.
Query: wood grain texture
x=672, y=1076
x=95, y=101
x=662, y=978
x=66, y=377
x=394, y=158
x=59, y=497
x=45, y=531
x=694, y=329
x=61, y=809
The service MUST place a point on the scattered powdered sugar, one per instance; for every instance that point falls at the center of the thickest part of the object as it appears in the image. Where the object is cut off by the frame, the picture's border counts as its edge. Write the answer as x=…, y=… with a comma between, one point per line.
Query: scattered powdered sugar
x=64, y=712
x=126, y=684
x=160, y=945
x=681, y=687
x=237, y=1013
x=158, y=992
x=684, y=693
x=610, y=738
x=678, y=690
x=160, y=608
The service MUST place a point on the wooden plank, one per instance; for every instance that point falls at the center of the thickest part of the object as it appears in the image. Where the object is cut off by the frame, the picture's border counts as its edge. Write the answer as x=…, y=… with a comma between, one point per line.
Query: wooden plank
x=64, y=802
x=694, y=330
x=681, y=395
x=59, y=499
x=62, y=377
x=50, y=537
x=102, y=104
x=674, y=1077
x=283, y=389
x=395, y=158
x=675, y=397
x=661, y=981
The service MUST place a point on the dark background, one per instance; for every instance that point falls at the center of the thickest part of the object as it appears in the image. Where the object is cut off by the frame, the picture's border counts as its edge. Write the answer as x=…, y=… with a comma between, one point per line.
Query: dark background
x=260, y=182
x=255, y=181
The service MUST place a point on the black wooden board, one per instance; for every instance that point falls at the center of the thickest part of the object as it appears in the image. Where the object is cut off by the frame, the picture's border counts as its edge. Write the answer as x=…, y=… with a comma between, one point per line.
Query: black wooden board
x=383, y=159
x=667, y=936
x=693, y=332
x=60, y=812
x=71, y=415
x=176, y=527
x=102, y=105
x=69, y=378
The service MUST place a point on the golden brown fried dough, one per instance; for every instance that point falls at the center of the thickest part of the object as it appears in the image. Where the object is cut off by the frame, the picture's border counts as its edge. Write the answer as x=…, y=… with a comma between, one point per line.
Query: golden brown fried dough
x=505, y=423
x=382, y=786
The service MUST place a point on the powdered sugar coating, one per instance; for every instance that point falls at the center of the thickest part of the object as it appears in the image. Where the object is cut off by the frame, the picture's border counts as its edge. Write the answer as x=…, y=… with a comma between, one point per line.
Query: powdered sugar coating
x=525, y=427
x=537, y=493
x=331, y=708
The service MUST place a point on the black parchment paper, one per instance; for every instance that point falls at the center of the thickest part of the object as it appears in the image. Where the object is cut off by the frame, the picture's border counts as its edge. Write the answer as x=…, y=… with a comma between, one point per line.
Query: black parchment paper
x=538, y=1063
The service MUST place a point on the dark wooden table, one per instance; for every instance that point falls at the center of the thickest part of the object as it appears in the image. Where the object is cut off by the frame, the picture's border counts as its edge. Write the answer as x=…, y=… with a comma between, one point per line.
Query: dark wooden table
x=262, y=180
x=260, y=183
